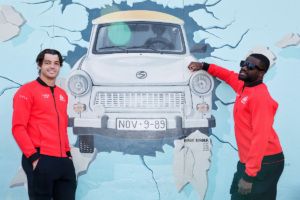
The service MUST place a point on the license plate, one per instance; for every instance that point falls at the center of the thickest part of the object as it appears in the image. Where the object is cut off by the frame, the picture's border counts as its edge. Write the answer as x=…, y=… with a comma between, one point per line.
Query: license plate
x=142, y=124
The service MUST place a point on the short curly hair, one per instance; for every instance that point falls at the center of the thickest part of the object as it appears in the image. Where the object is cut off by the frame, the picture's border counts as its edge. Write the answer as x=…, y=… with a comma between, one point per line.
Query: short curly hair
x=40, y=57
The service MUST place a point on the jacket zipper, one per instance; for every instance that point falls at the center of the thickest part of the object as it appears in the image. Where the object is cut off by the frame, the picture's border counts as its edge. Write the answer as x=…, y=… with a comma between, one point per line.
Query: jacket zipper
x=52, y=91
x=238, y=99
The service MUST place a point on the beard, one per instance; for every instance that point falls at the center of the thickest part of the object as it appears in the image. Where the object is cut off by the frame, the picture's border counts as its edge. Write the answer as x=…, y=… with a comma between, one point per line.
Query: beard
x=244, y=76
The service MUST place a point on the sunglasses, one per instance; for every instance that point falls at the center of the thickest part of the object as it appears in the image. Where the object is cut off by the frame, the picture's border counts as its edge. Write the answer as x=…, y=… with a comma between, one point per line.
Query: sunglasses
x=249, y=65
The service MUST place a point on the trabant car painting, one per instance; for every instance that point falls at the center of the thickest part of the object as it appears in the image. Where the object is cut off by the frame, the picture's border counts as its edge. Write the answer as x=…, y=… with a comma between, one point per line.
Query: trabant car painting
x=133, y=82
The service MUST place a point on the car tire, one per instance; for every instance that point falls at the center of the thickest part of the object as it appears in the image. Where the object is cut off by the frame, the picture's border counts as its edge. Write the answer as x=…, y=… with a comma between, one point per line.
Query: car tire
x=86, y=143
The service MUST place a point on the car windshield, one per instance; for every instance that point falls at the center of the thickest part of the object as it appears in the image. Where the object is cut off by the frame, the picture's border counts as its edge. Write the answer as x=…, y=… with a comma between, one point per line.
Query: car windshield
x=139, y=37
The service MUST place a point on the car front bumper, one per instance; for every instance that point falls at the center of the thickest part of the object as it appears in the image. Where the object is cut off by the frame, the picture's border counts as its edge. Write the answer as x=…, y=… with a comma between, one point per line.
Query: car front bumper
x=176, y=128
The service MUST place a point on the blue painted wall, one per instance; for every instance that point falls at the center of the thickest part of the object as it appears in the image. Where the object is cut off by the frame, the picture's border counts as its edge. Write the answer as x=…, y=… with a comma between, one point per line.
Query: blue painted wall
x=229, y=29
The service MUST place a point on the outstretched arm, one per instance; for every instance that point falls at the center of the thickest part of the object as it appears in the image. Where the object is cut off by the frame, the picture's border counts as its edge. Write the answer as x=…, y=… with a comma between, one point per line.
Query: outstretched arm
x=230, y=77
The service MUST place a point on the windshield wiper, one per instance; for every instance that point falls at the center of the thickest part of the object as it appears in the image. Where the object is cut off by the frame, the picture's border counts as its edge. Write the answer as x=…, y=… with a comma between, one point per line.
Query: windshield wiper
x=125, y=49
x=113, y=47
x=144, y=47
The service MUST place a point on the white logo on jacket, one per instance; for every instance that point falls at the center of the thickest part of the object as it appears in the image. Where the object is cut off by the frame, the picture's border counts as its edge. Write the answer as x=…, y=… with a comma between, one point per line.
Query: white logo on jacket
x=244, y=100
x=23, y=97
x=45, y=96
x=62, y=98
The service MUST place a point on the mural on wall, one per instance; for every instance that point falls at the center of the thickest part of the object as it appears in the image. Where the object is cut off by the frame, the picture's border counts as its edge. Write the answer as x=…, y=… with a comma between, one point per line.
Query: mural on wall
x=10, y=22
x=133, y=87
x=134, y=107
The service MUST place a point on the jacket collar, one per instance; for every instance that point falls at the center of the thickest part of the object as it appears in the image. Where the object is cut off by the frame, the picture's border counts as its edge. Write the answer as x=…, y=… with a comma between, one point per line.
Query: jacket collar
x=40, y=81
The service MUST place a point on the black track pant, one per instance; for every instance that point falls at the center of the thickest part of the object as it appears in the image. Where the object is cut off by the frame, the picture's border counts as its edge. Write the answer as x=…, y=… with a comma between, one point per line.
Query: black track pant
x=265, y=184
x=53, y=178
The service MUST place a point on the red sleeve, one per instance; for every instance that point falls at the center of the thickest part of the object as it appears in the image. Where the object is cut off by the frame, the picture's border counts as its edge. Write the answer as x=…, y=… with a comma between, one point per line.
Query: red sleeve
x=22, y=104
x=230, y=77
x=262, y=112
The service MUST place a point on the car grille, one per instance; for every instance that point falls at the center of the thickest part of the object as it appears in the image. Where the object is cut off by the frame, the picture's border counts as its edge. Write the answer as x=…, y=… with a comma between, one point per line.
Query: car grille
x=140, y=100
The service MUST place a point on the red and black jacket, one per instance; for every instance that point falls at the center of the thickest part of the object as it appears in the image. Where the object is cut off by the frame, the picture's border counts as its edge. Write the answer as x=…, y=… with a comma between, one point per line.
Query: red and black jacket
x=39, y=123
x=253, y=112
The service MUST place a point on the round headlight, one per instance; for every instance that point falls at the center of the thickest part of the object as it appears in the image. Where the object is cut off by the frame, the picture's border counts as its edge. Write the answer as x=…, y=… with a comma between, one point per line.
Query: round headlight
x=201, y=83
x=79, y=84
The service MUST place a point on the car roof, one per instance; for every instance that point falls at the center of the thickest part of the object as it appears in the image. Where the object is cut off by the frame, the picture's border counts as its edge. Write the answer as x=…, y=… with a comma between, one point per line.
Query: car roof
x=137, y=15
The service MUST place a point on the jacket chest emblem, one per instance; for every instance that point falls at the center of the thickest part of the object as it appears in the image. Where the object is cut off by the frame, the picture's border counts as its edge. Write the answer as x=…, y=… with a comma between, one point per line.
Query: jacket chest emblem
x=244, y=100
x=46, y=96
x=62, y=98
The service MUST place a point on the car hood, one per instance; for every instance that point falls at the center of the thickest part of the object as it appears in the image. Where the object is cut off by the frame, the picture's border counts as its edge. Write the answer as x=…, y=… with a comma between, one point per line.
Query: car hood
x=138, y=69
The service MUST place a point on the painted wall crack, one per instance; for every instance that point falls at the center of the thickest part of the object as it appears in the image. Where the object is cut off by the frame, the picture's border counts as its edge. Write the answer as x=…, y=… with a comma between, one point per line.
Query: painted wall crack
x=152, y=174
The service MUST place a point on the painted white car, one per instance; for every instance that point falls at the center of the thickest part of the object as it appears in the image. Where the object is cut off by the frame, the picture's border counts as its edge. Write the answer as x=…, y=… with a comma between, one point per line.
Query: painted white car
x=133, y=83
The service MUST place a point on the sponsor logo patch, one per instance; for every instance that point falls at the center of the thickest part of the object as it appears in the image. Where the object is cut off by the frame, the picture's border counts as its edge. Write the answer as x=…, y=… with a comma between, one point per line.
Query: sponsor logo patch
x=62, y=98
x=244, y=100
x=23, y=97
x=45, y=96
